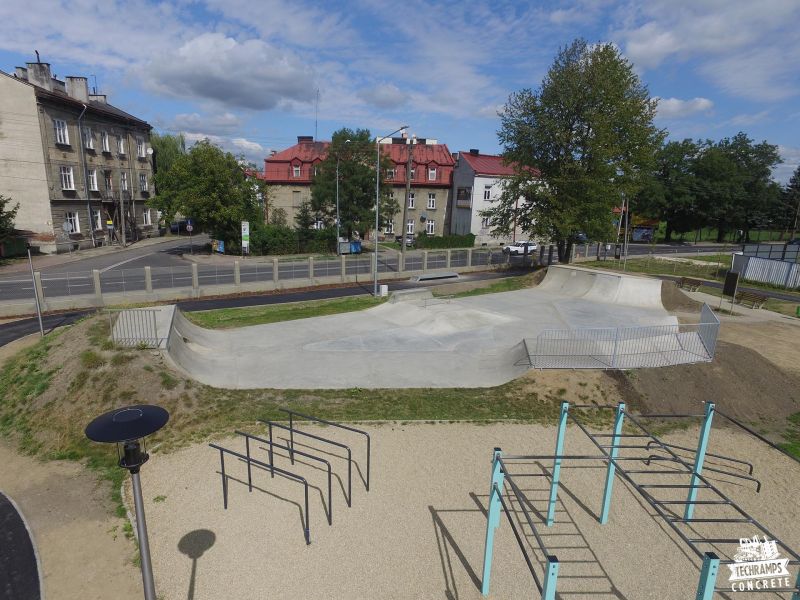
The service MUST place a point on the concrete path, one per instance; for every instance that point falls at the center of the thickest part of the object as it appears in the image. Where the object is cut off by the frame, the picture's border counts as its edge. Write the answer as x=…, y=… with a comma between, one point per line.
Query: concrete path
x=469, y=342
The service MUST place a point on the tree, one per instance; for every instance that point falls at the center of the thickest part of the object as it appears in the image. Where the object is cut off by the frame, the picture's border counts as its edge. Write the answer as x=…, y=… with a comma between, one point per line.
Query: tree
x=356, y=183
x=7, y=215
x=578, y=144
x=208, y=185
x=167, y=149
x=791, y=199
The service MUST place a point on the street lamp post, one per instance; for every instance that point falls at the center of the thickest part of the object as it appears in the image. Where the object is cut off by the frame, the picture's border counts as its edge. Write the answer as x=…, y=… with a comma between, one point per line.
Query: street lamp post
x=377, y=201
x=337, y=201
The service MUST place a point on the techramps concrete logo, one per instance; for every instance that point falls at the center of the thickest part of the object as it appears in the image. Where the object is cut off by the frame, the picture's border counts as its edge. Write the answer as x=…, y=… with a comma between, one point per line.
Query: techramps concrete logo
x=758, y=566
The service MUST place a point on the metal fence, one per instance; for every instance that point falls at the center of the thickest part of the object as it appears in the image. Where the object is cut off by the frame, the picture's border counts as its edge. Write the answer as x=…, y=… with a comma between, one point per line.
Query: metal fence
x=626, y=347
x=787, y=252
x=134, y=327
x=781, y=273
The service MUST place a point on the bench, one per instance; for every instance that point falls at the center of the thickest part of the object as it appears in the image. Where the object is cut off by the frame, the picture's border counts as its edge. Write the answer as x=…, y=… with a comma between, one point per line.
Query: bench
x=689, y=284
x=751, y=298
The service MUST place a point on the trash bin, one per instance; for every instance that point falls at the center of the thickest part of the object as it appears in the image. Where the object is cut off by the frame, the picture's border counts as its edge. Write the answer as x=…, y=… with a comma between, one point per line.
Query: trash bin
x=355, y=247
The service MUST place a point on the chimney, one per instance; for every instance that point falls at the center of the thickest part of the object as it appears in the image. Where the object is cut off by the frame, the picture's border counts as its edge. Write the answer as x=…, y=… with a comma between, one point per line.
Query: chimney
x=305, y=139
x=39, y=74
x=98, y=98
x=78, y=88
x=21, y=73
x=474, y=151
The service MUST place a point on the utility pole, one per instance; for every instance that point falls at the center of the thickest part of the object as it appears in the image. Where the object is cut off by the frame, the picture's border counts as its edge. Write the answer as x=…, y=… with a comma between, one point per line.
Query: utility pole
x=409, y=164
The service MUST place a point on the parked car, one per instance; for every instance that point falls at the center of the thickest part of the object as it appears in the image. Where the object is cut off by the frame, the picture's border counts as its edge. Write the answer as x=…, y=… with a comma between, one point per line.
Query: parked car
x=519, y=248
x=794, y=242
x=409, y=239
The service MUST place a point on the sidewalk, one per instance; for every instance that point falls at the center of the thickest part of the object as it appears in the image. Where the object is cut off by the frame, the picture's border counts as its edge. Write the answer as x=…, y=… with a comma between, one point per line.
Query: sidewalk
x=20, y=265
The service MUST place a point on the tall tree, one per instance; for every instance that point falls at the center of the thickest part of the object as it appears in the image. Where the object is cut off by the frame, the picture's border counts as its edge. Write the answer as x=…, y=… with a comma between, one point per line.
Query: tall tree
x=791, y=199
x=7, y=215
x=578, y=144
x=208, y=185
x=167, y=148
x=356, y=183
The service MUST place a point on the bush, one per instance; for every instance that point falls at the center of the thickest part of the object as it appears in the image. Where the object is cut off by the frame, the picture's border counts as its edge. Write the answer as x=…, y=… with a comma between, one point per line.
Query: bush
x=446, y=241
x=272, y=239
x=321, y=241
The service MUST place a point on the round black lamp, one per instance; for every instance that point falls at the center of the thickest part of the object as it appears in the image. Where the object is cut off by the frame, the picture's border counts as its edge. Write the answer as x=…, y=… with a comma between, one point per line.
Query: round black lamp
x=127, y=427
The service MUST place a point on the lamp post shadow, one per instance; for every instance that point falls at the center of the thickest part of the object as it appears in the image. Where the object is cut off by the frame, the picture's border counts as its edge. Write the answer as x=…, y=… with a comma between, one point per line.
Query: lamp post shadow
x=194, y=544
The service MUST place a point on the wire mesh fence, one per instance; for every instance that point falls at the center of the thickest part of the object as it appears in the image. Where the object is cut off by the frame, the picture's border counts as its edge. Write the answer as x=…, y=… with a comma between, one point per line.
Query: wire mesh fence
x=786, y=252
x=626, y=347
x=67, y=284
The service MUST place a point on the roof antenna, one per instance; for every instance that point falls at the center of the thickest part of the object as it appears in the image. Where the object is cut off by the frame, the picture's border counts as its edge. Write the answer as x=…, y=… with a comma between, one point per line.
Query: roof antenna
x=94, y=89
x=37, y=56
x=316, y=115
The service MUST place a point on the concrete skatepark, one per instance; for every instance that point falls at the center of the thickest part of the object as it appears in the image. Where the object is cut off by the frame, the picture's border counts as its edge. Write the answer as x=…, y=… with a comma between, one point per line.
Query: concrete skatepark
x=419, y=341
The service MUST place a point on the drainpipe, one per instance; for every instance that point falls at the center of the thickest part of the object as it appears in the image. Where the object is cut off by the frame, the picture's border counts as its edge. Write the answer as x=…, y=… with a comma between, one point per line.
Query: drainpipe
x=85, y=176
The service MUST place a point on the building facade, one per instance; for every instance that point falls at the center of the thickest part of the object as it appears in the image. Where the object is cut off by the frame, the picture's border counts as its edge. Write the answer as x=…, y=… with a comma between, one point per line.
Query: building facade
x=290, y=173
x=478, y=182
x=80, y=168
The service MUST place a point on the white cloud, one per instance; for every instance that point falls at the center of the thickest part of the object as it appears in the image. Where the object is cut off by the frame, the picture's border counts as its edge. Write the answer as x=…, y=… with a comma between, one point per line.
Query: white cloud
x=748, y=119
x=791, y=161
x=252, y=151
x=217, y=124
x=675, y=108
x=386, y=95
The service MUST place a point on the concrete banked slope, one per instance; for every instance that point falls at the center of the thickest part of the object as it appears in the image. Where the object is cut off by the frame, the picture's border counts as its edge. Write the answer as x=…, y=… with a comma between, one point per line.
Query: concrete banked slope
x=470, y=342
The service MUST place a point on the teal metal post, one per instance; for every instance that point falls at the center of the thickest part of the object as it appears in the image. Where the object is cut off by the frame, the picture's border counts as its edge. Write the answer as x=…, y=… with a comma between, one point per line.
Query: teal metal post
x=611, y=467
x=562, y=430
x=708, y=577
x=796, y=595
x=702, y=446
x=550, y=579
x=492, y=518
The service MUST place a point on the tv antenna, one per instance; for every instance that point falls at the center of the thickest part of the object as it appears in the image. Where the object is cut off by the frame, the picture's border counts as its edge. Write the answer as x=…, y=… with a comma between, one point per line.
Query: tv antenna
x=316, y=115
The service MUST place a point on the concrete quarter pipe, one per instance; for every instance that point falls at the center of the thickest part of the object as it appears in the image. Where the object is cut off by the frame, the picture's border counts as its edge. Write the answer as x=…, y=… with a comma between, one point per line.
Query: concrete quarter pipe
x=479, y=341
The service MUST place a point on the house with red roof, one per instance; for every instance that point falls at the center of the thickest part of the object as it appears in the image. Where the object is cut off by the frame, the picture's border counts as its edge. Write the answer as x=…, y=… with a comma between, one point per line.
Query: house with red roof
x=290, y=173
x=478, y=181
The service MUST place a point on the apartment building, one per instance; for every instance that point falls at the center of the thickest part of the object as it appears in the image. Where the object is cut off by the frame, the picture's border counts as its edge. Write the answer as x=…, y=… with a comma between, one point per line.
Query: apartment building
x=290, y=173
x=80, y=168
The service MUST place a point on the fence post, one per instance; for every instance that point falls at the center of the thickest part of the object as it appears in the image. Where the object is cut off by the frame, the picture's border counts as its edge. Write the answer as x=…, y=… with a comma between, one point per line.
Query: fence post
x=550, y=578
x=98, y=291
x=424, y=260
x=37, y=282
x=708, y=577
x=343, y=266
x=449, y=256
x=311, y=267
x=148, y=280
x=401, y=262
x=562, y=429
x=275, y=271
x=702, y=446
x=195, y=278
x=237, y=274
x=469, y=257
x=611, y=467
x=492, y=518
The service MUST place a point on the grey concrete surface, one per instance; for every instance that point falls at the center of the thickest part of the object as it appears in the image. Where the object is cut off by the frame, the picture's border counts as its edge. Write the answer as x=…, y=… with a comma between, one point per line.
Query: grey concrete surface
x=469, y=342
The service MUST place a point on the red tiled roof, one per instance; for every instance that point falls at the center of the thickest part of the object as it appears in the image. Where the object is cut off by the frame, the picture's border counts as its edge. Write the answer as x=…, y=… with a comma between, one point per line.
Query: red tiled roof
x=424, y=154
x=305, y=151
x=487, y=164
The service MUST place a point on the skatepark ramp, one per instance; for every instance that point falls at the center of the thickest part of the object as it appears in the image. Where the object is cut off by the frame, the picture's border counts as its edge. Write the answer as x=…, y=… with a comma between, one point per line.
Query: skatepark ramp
x=626, y=347
x=600, y=286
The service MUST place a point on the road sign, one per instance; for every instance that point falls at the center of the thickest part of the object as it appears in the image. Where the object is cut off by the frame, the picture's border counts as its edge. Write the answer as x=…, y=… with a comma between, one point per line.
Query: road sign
x=190, y=228
x=67, y=227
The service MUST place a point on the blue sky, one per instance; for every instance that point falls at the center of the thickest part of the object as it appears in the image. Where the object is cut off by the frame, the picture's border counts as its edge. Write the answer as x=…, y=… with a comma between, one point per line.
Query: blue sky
x=246, y=74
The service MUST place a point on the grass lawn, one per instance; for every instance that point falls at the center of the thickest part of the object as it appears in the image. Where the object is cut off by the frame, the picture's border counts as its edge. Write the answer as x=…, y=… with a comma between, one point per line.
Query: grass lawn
x=778, y=306
x=507, y=284
x=226, y=318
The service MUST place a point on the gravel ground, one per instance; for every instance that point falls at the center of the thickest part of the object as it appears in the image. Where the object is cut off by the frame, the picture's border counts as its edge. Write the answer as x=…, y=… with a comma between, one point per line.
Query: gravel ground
x=419, y=532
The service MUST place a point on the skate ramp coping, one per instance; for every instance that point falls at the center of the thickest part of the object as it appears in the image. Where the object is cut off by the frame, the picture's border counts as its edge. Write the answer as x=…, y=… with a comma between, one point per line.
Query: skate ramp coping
x=600, y=286
x=414, y=295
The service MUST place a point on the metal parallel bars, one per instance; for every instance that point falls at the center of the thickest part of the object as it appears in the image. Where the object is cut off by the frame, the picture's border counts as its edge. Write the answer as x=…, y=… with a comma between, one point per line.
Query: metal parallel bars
x=287, y=474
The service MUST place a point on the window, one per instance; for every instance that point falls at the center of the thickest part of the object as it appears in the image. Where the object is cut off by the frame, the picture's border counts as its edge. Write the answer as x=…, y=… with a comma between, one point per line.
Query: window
x=109, y=182
x=296, y=171
x=120, y=144
x=485, y=222
x=432, y=200
x=430, y=227
x=389, y=228
x=140, y=152
x=67, y=183
x=295, y=199
x=88, y=139
x=390, y=173
x=73, y=220
x=93, y=180
x=104, y=141
x=487, y=192
x=146, y=220
x=123, y=181
x=411, y=200
x=143, y=182
x=464, y=197
x=97, y=220
x=410, y=226
x=412, y=174
x=432, y=174
x=62, y=133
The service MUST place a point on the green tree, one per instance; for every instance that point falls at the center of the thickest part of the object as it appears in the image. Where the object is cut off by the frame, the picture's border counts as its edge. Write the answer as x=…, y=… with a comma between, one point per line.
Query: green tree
x=578, y=144
x=7, y=215
x=791, y=201
x=208, y=185
x=356, y=183
x=167, y=149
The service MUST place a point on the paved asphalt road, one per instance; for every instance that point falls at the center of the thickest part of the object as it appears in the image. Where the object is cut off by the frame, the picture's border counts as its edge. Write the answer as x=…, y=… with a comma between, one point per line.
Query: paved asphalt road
x=123, y=271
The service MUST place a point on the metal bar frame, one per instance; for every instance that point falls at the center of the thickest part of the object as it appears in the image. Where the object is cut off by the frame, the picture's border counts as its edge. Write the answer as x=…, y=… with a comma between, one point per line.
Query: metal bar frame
x=712, y=455
x=287, y=474
x=699, y=458
x=562, y=428
x=609, y=487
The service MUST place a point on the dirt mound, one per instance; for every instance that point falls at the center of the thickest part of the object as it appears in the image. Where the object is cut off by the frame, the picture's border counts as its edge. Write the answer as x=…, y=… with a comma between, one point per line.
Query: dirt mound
x=740, y=381
x=674, y=300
